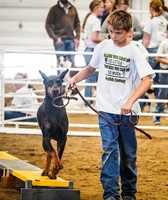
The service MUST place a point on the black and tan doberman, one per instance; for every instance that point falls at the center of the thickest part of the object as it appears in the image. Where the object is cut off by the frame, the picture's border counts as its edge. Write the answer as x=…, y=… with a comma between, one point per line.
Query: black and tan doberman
x=53, y=122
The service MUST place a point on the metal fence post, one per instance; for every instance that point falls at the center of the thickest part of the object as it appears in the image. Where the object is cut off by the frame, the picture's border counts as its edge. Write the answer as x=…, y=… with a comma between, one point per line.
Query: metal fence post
x=2, y=90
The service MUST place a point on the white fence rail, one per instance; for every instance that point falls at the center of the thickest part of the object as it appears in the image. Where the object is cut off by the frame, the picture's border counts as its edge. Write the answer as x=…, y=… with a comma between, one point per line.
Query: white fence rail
x=8, y=70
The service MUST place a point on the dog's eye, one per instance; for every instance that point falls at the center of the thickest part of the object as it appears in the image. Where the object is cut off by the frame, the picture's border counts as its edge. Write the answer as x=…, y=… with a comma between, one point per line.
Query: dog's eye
x=59, y=82
x=50, y=82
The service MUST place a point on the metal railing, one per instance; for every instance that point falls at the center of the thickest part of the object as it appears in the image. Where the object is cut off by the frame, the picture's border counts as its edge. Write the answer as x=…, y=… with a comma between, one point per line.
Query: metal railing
x=17, y=126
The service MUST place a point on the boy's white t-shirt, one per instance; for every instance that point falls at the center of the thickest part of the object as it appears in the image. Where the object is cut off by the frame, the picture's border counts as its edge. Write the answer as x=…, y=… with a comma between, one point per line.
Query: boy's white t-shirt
x=120, y=72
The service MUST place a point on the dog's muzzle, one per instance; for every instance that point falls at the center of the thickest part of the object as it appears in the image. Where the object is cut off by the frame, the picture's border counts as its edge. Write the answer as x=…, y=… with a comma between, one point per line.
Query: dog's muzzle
x=54, y=92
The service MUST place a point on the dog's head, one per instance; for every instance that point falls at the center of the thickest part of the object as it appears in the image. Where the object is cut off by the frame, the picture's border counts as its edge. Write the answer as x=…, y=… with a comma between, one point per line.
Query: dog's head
x=53, y=84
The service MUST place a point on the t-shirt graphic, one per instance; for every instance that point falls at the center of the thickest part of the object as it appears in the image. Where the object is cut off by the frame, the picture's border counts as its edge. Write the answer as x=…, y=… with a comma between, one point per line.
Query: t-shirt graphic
x=117, y=68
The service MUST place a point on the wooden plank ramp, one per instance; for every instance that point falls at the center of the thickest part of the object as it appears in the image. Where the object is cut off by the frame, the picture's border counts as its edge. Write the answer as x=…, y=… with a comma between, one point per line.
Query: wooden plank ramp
x=25, y=171
x=34, y=183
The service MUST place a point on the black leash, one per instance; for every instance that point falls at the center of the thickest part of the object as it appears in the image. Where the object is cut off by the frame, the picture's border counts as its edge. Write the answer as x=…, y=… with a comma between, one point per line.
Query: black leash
x=132, y=124
x=63, y=97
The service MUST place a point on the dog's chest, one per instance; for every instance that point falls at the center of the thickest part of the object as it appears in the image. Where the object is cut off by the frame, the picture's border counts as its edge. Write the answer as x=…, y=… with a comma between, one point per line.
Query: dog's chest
x=53, y=112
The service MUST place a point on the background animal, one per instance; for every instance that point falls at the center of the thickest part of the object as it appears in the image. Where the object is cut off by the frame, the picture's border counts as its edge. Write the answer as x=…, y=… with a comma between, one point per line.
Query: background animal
x=53, y=122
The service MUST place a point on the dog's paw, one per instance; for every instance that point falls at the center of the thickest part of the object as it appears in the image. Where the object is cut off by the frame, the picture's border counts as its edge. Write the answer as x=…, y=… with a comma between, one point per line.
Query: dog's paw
x=44, y=173
x=52, y=176
x=59, y=167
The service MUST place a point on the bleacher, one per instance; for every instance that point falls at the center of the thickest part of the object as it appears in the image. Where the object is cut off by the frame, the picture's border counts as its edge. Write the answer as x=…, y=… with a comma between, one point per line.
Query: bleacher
x=23, y=23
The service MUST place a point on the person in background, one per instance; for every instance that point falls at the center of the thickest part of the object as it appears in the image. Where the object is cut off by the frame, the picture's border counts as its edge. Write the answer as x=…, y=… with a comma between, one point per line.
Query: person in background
x=154, y=32
x=124, y=5
x=108, y=6
x=165, y=9
x=139, y=45
x=24, y=98
x=124, y=76
x=63, y=26
x=145, y=52
x=91, y=28
x=163, y=79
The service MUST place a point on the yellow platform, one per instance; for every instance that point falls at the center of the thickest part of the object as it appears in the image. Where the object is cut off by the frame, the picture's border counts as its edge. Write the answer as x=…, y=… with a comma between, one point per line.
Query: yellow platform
x=27, y=172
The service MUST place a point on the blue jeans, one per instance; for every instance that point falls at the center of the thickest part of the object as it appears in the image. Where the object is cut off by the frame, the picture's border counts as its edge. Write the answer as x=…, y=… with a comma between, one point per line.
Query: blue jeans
x=68, y=45
x=118, y=158
x=155, y=65
x=163, y=92
x=12, y=115
x=92, y=78
x=152, y=60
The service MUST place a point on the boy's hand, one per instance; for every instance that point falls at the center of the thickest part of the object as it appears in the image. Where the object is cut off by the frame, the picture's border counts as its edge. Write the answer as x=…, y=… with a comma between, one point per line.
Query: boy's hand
x=126, y=108
x=125, y=111
x=72, y=84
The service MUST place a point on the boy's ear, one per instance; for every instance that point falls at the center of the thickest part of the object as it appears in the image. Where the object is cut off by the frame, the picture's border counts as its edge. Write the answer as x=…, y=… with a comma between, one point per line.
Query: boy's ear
x=130, y=33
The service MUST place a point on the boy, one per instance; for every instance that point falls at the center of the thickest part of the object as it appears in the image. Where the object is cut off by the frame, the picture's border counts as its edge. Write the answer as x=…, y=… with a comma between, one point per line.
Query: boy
x=124, y=76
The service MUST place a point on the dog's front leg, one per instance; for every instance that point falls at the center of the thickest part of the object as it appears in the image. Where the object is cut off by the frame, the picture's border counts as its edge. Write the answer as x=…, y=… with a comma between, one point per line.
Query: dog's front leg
x=56, y=165
x=49, y=150
x=61, y=146
x=48, y=163
x=58, y=155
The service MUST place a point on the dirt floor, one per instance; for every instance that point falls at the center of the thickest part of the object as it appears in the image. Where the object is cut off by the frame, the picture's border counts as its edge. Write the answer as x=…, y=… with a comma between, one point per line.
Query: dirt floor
x=82, y=161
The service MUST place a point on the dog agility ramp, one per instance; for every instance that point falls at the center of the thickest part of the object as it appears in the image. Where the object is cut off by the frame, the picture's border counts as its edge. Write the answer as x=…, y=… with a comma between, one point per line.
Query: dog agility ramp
x=36, y=187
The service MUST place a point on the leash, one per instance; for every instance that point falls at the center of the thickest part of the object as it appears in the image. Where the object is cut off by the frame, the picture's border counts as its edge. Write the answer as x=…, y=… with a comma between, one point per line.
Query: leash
x=63, y=97
x=132, y=124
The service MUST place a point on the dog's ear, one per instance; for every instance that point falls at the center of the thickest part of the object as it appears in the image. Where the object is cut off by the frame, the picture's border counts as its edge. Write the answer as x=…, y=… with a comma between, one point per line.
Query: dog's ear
x=42, y=75
x=62, y=75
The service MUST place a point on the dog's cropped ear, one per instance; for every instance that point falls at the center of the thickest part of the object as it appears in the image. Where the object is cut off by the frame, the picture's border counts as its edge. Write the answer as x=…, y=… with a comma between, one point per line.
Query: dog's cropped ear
x=62, y=75
x=42, y=74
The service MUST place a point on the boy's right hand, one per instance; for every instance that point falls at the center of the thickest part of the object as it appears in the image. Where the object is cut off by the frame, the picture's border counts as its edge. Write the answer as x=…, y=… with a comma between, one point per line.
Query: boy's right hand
x=71, y=84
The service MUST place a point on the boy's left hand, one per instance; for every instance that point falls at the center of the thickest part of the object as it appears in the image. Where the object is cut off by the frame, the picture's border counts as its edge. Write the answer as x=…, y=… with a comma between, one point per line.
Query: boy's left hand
x=126, y=108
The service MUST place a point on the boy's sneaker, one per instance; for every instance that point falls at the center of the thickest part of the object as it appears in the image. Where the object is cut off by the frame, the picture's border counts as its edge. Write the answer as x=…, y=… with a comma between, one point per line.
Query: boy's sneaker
x=156, y=120
x=128, y=198
x=110, y=198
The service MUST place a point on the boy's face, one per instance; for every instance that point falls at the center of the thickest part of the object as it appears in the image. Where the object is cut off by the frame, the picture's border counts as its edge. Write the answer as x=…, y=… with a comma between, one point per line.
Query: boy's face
x=119, y=37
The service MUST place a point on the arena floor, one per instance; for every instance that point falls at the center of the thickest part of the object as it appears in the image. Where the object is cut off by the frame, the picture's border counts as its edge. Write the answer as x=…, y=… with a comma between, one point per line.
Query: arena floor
x=82, y=161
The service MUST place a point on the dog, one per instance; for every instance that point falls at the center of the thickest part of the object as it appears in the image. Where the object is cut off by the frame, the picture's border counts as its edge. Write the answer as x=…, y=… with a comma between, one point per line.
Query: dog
x=53, y=122
x=65, y=63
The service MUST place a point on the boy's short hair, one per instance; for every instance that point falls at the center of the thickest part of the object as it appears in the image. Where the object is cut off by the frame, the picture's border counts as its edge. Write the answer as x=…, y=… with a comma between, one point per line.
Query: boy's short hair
x=120, y=20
